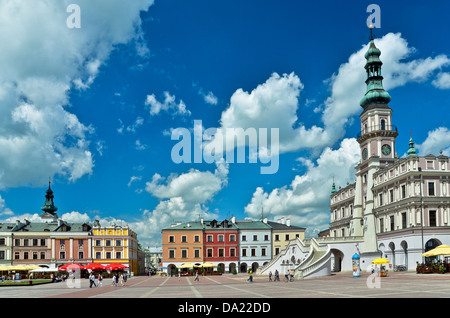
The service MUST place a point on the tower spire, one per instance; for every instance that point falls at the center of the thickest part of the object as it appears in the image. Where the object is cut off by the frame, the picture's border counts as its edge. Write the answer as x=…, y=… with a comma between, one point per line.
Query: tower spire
x=375, y=93
x=49, y=207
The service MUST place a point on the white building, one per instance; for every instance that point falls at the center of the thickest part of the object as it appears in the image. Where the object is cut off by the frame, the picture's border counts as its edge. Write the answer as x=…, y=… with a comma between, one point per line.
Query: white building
x=398, y=207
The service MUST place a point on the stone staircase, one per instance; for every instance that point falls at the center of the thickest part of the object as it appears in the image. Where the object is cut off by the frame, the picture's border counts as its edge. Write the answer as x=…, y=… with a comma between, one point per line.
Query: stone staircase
x=307, y=258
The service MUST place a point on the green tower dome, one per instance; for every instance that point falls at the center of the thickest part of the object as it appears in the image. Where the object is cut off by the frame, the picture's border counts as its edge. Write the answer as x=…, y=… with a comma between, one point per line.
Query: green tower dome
x=375, y=93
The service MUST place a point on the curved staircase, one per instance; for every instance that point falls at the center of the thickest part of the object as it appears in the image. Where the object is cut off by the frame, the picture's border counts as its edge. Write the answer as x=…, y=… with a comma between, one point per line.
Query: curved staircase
x=304, y=259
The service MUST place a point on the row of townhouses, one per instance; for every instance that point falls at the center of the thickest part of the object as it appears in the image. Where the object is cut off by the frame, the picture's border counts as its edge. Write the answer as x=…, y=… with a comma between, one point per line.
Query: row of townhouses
x=231, y=245
x=53, y=242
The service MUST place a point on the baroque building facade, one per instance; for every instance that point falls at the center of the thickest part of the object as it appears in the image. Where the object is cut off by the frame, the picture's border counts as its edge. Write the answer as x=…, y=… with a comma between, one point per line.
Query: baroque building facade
x=398, y=208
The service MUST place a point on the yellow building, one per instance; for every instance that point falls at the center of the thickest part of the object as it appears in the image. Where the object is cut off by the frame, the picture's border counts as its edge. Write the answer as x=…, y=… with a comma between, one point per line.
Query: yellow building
x=284, y=232
x=115, y=244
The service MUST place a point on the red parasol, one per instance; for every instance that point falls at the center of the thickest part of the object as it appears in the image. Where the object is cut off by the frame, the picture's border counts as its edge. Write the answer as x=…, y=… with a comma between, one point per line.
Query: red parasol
x=94, y=266
x=115, y=266
x=71, y=266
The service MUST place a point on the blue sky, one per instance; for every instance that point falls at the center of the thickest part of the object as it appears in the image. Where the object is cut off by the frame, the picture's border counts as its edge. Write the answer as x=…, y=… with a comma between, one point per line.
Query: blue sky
x=93, y=107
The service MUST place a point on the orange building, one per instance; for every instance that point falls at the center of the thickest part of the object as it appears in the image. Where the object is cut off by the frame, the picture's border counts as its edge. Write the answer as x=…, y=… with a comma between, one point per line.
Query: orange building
x=183, y=243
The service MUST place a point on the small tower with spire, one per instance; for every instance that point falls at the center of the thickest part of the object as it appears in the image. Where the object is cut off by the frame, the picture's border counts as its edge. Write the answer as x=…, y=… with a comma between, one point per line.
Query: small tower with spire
x=49, y=207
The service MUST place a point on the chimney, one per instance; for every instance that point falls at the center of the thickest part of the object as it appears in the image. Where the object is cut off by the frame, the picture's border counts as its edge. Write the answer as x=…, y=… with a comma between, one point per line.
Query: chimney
x=288, y=222
x=201, y=220
x=233, y=219
x=265, y=220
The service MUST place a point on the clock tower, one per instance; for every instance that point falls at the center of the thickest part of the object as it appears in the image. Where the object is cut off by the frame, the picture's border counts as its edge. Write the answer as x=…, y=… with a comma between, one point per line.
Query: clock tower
x=377, y=145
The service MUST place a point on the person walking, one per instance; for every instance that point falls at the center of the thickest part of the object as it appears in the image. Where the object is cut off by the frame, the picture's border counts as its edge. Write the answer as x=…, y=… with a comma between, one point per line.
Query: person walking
x=121, y=279
x=277, y=275
x=250, y=276
x=270, y=276
x=92, y=280
x=196, y=277
x=100, y=279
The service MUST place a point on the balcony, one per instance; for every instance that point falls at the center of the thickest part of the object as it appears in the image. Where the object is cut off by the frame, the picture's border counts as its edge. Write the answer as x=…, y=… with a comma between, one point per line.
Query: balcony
x=377, y=130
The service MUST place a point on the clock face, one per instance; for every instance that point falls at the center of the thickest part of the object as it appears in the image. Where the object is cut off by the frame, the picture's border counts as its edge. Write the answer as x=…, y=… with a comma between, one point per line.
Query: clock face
x=386, y=149
x=364, y=154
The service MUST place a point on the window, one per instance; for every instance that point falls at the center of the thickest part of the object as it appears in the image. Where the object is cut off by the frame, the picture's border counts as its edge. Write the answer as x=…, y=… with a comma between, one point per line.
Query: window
x=184, y=253
x=108, y=243
x=98, y=242
x=196, y=238
x=42, y=242
x=232, y=238
x=381, y=199
x=80, y=255
x=277, y=250
x=263, y=251
x=244, y=237
x=209, y=252
x=2, y=254
x=35, y=242
x=171, y=253
x=391, y=194
x=253, y=251
x=108, y=255
x=221, y=238
x=277, y=237
x=286, y=237
x=118, y=255
x=381, y=225
x=62, y=255
x=2, y=241
x=392, y=223
x=221, y=252
x=232, y=252
x=266, y=237
x=255, y=237
x=209, y=238
x=171, y=239
x=183, y=238
x=430, y=188
x=432, y=218
x=196, y=253
x=244, y=252
x=42, y=255
x=16, y=255
x=98, y=255
x=404, y=220
x=403, y=191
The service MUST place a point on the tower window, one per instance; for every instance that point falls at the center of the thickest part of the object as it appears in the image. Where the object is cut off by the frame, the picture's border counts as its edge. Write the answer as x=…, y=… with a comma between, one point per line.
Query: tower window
x=383, y=124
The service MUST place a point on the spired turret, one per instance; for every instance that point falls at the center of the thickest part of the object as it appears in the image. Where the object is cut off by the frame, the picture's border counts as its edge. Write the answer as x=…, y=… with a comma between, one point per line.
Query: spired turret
x=375, y=93
x=49, y=207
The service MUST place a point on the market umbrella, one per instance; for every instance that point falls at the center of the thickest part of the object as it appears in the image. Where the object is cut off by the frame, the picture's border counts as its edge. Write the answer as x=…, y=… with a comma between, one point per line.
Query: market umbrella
x=186, y=265
x=440, y=250
x=115, y=266
x=94, y=266
x=208, y=264
x=71, y=266
x=380, y=261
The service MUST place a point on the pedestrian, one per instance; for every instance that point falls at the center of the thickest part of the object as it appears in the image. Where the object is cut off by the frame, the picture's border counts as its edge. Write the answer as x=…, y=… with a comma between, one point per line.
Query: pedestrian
x=196, y=277
x=116, y=277
x=250, y=276
x=277, y=275
x=114, y=280
x=100, y=278
x=92, y=280
x=270, y=276
x=121, y=279
x=179, y=276
x=125, y=278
